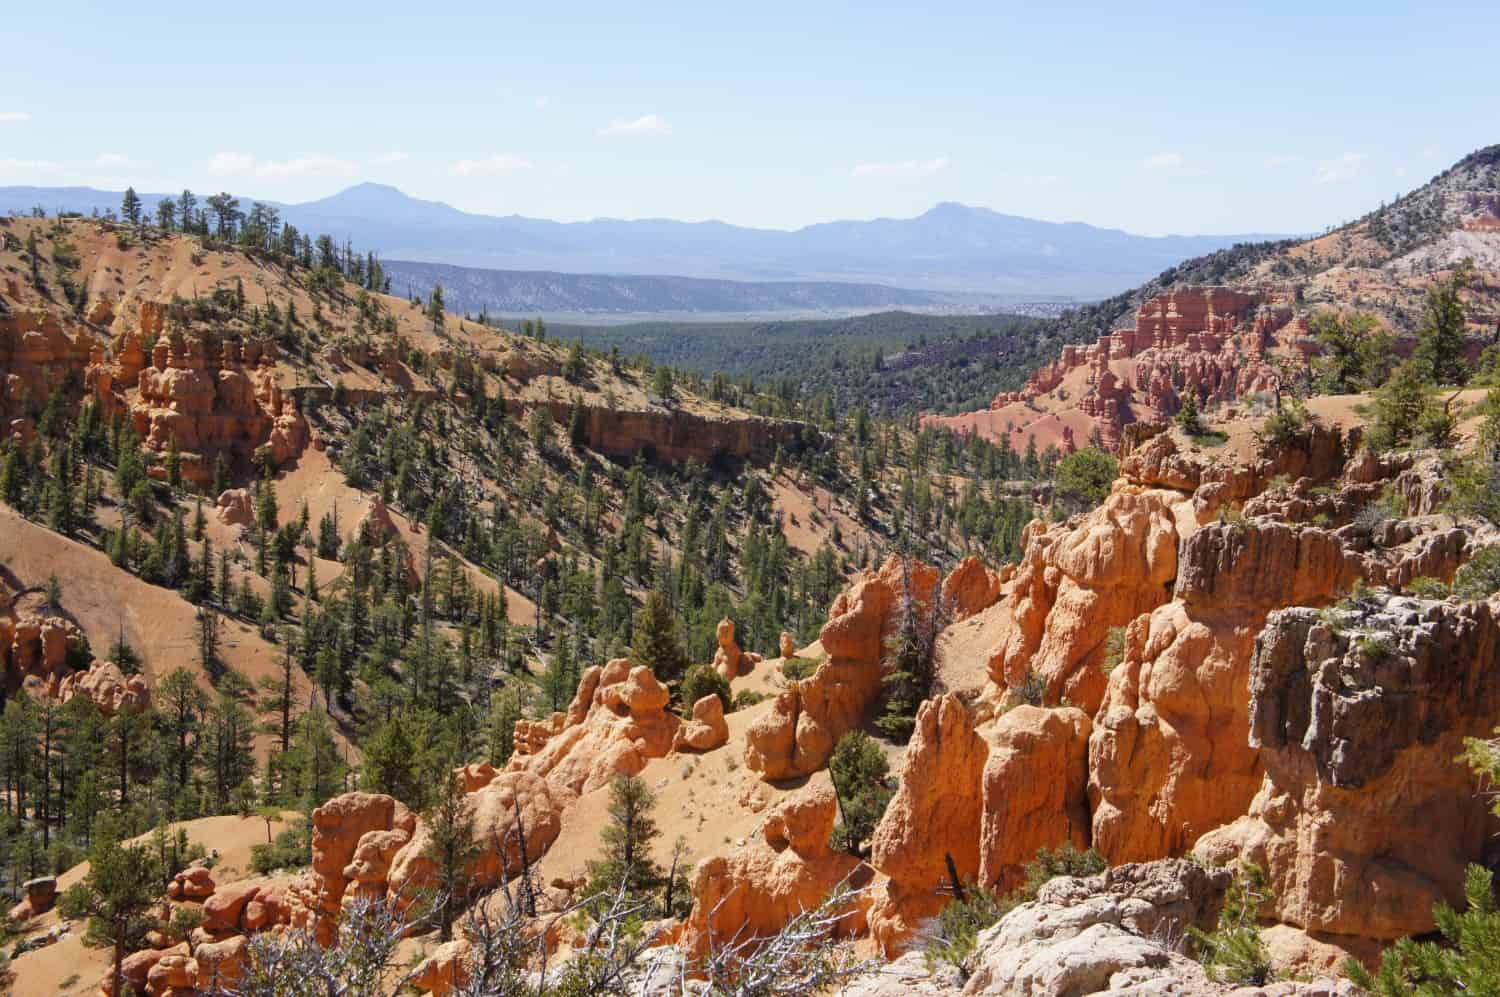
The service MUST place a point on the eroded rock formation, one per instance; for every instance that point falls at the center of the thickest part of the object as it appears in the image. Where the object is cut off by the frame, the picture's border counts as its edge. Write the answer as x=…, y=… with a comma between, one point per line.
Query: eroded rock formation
x=1367, y=815
x=988, y=798
x=618, y=720
x=209, y=400
x=1213, y=344
x=797, y=736
x=785, y=869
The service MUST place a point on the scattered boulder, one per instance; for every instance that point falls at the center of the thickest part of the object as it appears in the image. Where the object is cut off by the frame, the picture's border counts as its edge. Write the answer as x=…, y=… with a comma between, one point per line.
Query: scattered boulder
x=41, y=894
x=175, y=972
x=235, y=507
x=221, y=965
x=193, y=883
x=109, y=687
x=707, y=730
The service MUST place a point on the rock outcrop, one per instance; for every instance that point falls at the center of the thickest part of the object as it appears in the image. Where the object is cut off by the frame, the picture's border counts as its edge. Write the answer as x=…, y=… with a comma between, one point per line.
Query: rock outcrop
x=729, y=660
x=514, y=807
x=1079, y=580
x=109, y=687
x=970, y=588
x=674, y=436
x=40, y=646
x=785, y=869
x=1211, y=344
x=618, y=721
x=1020, y=780
x=208, y=398
x=706, y=730
x=36, y=357
x=1170, y=756
x=41, y=894
x=340, y=828
x=797, y=736
x=235, y=507
x=1366, y=815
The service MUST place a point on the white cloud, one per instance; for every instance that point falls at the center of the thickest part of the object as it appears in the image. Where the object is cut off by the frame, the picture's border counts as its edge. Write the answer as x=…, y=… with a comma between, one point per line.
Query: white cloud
x=542, y=103
x=228, y=164
x=503, y=162
x=29, y=166
x=905, y=168
x=394, y=156
x=1282, y=159
x=114, y=161
x=1345, y=167
x=14, y=117
x=646, y=124
x=1163, y=161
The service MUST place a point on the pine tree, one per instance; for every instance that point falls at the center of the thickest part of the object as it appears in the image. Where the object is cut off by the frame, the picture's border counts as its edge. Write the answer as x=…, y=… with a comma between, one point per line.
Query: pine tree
x=505, y=712
x=130, y=206
x=120, y=888
x=656, y=645
x=1442, y=347
x=435, y=308
x=859, y=770
x=627, y=840
x=452, y=850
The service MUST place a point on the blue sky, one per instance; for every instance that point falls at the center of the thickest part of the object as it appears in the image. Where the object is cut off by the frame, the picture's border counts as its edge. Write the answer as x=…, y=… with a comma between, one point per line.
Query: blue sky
x=1155, y=118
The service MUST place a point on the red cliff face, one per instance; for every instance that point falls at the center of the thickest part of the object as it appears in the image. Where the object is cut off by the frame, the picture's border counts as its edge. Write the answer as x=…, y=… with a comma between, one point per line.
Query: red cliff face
x=672, y=436
x=37, y=356
x=208, y=401
x=1209, y=343
x=1367, y=814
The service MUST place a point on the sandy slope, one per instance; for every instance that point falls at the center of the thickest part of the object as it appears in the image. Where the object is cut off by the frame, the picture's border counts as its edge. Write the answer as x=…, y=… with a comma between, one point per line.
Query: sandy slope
x=104, y=600
x=70, y=967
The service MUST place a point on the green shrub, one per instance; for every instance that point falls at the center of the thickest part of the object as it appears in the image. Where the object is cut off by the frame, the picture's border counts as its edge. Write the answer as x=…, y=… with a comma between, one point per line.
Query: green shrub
x=1033, y=690
x=1284, y=425
x=1234, y=952
x=1428, y=587
x=1466, y=962
x=958, y=926
x=797, y=669
x=746, y=698
x=1480, y=577
x=1114, y=649
x=292, y=849
x=1376, y=647
x=1050, y=863
x=956, y=932
x=700, y=681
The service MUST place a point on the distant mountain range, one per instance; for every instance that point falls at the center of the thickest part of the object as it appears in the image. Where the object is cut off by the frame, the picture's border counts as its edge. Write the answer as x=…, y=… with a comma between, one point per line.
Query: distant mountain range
x=950, y=249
